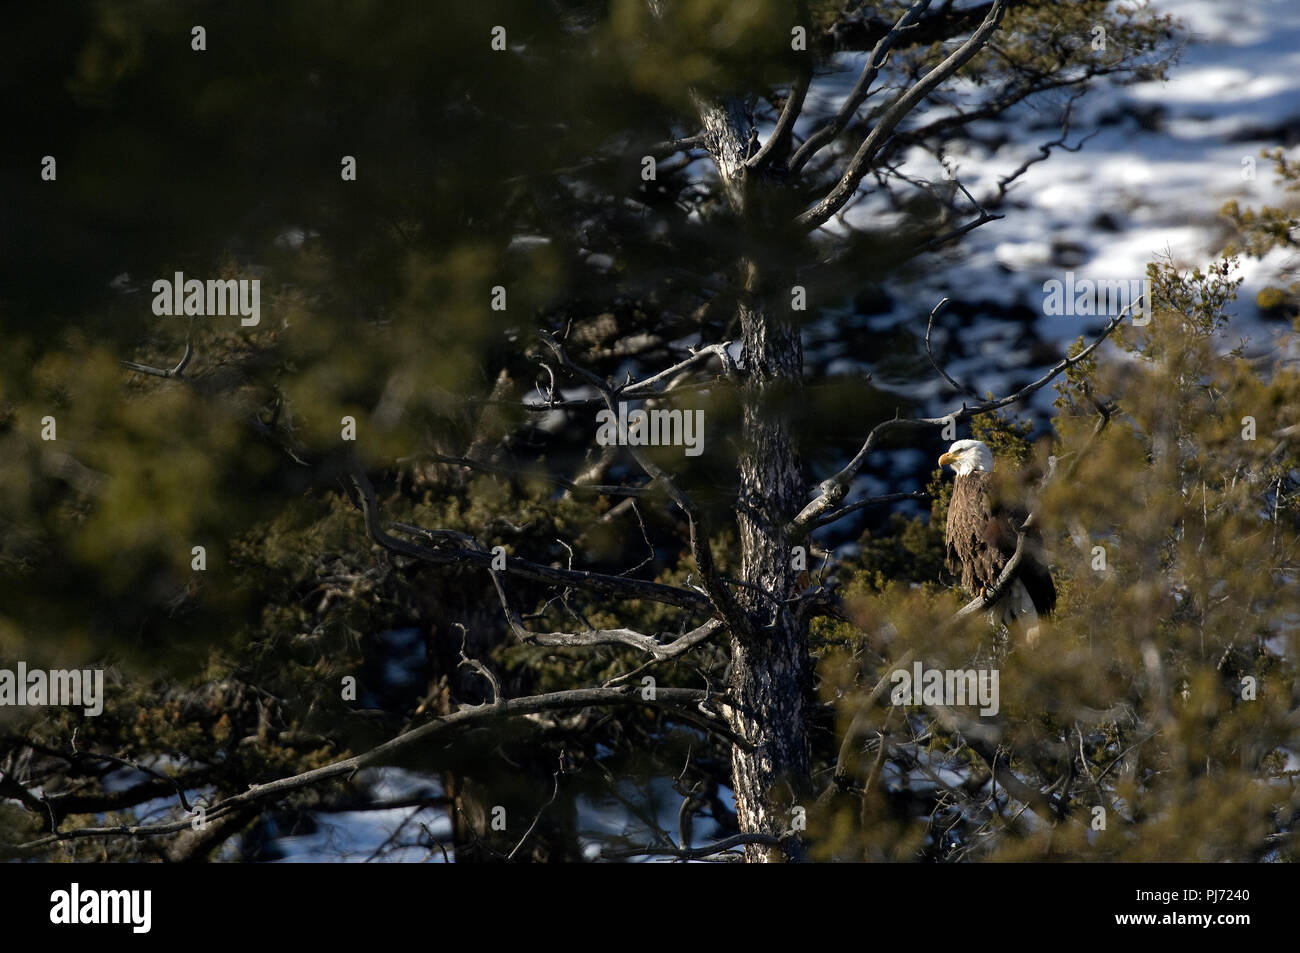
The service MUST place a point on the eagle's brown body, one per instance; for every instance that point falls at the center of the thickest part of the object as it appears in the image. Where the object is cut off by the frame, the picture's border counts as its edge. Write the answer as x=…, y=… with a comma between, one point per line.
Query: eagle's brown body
x=980, y=540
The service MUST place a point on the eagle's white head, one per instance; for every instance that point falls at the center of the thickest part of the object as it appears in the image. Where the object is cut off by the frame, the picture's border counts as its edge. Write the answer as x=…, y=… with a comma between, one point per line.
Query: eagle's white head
x=966, y=456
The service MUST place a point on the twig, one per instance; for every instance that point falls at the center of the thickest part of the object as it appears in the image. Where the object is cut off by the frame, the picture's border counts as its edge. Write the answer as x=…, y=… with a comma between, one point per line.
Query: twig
x=477, y=665
x=876, y=61
x=834, y=489
x=894, y=113
x=174, y=373
x=590, y=637
x=541, y=810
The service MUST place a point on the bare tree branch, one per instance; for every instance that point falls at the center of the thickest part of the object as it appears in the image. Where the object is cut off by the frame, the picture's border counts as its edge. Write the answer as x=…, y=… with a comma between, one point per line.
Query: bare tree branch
x=929, y=326
x=835, y=515
x=779, y=142
x=174, y=373
x=646, y=387
x=555, y=790
x=983, y=218
x=834, y=488
x=827, y=133
x=862, y=33
x=476, y=665
x=894, y=114
x=1045, y=150
x=644, y=643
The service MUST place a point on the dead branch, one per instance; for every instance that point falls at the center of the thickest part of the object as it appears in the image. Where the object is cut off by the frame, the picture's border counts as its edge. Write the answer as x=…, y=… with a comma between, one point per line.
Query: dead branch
x=834, y=489
x=645, y=643
x=879, y=56
x=901, y=105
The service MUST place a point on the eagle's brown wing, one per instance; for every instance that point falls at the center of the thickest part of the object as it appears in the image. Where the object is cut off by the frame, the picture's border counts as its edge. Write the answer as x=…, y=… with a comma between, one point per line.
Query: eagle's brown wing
x=974, y=538
x=979, y=541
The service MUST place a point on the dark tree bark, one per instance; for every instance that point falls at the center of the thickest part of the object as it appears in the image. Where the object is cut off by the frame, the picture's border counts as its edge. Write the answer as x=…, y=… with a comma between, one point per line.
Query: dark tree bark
x=768, y=676
x=769, y=664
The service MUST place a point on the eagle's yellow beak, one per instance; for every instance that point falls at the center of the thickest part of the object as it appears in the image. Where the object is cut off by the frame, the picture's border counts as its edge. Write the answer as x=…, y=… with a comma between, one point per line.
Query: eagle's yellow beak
x=947, y=458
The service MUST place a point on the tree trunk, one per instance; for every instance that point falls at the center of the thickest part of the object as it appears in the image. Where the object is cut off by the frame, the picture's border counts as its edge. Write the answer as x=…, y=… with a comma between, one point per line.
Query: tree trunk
x=769, y=667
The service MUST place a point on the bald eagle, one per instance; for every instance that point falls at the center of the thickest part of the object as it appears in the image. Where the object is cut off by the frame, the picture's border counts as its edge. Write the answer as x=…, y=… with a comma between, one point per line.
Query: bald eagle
x=980, y=540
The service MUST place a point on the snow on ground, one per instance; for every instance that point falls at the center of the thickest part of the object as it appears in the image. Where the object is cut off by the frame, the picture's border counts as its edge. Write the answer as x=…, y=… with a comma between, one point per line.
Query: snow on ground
x=1165, y=157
